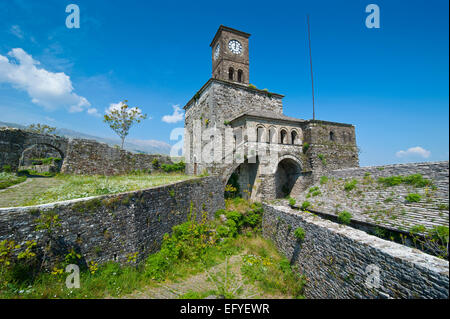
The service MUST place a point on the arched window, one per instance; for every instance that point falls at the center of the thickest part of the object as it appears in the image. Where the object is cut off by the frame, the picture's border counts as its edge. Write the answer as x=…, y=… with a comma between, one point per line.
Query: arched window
x=260, y=134
x=240, y=74
x=272, y=135
x=293, y=137
x=283, y=135
x=331, y=136
x=231, y=74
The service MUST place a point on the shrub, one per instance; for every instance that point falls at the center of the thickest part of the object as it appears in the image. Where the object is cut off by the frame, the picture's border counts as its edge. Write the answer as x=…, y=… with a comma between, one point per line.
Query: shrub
x=413, y=198
x=251, y=86
x=299, y=233
x=305, y=205
x=177, y=167
x=322, y=158
x=416, y=180
x=323, y=180
x=6, y=168
x=345, y=217
x=350, y=185
x=292, y=201
x=305, y=147
x=155, y=163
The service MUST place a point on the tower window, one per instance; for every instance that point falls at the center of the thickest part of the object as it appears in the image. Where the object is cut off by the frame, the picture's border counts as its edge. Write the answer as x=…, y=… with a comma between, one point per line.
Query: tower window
x=231, y=74
x=293, y=137
x=283, y=137
x=239, y=76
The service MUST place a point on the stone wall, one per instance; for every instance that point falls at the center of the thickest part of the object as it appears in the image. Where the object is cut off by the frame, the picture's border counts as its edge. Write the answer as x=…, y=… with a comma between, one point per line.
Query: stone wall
x=111, y=227
x=80, y=156
x=87, y=157
x=339, y=261
x=380, y=205
x=431, y=170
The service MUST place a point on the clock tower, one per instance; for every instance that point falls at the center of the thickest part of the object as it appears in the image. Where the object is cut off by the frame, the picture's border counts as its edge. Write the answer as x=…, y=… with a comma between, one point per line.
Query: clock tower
x=230, y=60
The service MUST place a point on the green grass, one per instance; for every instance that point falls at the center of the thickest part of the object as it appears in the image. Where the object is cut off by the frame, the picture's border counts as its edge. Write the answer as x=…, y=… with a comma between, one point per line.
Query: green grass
x=413, y=198
x=72, y=186
x=416, y=180
x=10, y=179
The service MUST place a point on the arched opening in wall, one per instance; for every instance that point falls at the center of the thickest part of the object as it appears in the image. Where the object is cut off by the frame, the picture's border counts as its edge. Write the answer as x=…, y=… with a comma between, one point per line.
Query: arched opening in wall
x=41, y=159
x=272, y=135
x=241, y=181
x=286, y=175
x=332, y=136
x=260, y=131
x=240, y=76
x=283, y=137
x=294, y=136
x=230, y=74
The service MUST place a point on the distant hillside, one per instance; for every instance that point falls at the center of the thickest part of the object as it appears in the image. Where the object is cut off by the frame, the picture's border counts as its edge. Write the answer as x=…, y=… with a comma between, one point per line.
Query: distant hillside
x=133, y=145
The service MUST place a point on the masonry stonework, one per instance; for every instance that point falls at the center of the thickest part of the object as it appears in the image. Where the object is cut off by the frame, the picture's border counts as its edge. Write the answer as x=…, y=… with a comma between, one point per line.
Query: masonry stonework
x=79, y=156
x=110, y=227
x=339, y=262
x=274, y=155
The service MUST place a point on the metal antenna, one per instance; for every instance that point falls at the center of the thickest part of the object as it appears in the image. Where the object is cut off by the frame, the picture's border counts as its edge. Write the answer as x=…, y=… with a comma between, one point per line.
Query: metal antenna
x=310, y=62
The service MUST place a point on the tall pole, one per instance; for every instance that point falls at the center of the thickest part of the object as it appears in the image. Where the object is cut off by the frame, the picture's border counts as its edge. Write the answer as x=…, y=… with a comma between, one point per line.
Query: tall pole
x=310, y=62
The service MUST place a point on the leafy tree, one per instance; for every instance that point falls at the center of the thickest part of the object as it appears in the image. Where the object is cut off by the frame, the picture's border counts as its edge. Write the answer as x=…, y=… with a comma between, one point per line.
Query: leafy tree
x=41, y=128
x=121, y=118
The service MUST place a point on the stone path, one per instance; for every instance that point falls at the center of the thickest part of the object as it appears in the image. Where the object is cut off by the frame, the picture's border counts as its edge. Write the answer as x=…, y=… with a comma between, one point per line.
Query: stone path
x=203, y=282
x=19, y=194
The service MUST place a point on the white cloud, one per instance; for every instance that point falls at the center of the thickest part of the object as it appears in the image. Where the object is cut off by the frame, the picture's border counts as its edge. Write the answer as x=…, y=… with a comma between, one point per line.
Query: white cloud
x=93, y=111
x=48, y=89
x=17, y=31
x=414, y=151
x=177, y=115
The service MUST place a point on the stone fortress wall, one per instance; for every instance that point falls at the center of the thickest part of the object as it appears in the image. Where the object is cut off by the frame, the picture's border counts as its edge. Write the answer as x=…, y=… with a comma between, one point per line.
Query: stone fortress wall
x=111, y=227
x=79, y=156
x=341, y=262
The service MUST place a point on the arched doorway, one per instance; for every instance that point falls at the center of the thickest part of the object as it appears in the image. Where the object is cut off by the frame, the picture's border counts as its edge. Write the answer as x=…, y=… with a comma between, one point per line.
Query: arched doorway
x=241, y=181
x=286, y=175
x=41, y=158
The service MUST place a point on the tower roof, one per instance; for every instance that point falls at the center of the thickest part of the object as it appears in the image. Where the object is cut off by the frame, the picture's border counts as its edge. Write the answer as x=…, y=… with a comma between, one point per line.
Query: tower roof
x=224, y=28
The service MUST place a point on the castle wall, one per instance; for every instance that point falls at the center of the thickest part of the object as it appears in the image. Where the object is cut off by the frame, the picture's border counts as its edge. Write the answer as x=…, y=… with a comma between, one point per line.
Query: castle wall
x=339, y=261
x=111, y=227
x=80, y=156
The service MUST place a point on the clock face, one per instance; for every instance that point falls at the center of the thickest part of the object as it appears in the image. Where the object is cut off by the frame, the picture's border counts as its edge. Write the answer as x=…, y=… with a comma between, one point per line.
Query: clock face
x=235, y=46
x=216, y=52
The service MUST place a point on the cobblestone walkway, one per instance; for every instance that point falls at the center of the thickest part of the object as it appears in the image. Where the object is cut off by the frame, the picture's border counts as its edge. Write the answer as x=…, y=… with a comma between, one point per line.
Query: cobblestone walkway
x=21, y=193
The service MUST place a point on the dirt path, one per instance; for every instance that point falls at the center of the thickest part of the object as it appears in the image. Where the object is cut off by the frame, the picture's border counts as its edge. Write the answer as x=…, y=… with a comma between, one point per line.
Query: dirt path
x=19, y=194
x=210, y=280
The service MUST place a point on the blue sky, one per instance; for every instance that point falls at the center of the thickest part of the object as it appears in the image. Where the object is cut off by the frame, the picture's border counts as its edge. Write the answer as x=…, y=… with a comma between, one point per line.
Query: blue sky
x=391, y=83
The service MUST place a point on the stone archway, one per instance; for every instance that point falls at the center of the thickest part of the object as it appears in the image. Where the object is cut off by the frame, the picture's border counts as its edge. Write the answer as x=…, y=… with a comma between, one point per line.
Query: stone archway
x=287, y=173
x=243, y=177
x=41, y=157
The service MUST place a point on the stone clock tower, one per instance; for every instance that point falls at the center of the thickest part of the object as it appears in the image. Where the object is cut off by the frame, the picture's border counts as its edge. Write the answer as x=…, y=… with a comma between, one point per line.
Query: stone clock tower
x=230, y=60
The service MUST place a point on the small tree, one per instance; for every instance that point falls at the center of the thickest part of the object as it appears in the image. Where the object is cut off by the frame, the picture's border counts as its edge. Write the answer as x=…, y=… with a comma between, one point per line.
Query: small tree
x=122, y=117
x=41, y=128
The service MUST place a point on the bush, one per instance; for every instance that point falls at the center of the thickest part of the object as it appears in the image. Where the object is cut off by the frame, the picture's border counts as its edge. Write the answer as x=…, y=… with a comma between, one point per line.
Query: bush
x=305, y=205
x=305, y=148
x=413, y=198
x=177, y=167
x=299, y=233
x=323, y=180
x=345, y=217
x=292, y=201
x=350, y=185
x=416, y=180
x=6, y=168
